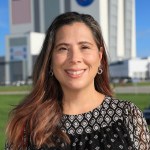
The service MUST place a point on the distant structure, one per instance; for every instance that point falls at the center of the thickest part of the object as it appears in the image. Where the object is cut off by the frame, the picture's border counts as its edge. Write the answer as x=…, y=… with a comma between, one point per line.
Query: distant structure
x=131, y=70
x=29, y=19
x=2, y=70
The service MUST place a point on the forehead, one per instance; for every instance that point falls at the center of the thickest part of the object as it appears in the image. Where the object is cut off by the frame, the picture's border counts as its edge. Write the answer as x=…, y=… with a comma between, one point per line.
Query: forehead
x=78, y=30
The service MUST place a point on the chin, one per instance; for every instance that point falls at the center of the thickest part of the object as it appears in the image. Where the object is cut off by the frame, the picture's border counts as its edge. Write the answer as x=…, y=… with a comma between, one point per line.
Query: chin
x=76, y=86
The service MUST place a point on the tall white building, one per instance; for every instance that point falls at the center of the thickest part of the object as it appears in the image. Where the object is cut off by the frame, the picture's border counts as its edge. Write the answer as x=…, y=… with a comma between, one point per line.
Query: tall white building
x=117, y=20
x=29, y=19
x=127, y=69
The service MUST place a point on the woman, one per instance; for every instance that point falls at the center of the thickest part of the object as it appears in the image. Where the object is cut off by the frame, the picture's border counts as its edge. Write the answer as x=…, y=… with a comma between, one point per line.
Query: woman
x=71, y=104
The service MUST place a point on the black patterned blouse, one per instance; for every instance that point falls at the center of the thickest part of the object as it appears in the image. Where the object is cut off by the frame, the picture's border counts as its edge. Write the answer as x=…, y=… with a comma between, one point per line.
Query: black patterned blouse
x=113, y=125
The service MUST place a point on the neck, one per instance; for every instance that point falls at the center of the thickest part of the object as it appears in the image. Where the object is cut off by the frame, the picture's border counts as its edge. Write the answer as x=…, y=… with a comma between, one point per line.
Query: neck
x=75, y=102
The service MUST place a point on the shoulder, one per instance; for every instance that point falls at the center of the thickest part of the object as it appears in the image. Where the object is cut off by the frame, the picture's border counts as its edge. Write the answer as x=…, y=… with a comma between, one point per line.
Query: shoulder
x=131, y=115
x=134, y=121
x=119, y=103
x=123, y=107
x=126, y=104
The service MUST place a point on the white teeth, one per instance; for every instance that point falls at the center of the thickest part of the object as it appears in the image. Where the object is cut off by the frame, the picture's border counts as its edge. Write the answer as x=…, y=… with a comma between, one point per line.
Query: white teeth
x=75, y=72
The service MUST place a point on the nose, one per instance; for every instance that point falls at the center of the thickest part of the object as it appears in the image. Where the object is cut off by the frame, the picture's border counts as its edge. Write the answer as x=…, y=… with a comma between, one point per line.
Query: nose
x=75, y=55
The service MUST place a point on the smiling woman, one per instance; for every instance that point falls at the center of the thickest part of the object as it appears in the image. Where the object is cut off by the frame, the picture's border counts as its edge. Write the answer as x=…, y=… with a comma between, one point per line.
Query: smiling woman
x=78, y=58
x=71, y=104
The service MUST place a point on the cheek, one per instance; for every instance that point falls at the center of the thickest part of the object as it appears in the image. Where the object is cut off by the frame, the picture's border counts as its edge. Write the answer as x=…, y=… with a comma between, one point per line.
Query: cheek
x=93, y=59
x=58, y=60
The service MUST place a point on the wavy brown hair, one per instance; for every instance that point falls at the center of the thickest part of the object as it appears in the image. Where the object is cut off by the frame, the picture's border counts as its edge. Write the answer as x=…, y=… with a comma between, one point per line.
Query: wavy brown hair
x=36, y=119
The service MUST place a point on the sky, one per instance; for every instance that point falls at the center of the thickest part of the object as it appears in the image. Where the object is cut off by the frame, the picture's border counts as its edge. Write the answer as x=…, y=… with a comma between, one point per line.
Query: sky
x=142, y=26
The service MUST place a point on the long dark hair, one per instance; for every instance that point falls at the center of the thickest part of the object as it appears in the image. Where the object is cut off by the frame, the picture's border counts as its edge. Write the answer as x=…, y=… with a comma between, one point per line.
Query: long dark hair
x=39, y=114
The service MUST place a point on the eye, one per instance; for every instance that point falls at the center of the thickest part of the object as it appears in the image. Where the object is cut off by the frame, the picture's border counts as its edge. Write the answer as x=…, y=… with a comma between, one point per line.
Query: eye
x=62, y=48
x=85, y=47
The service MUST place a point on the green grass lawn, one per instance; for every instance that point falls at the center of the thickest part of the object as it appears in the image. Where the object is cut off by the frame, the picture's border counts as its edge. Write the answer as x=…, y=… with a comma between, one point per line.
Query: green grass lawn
x=141, y=100
x=5, y=106
x=14, y=88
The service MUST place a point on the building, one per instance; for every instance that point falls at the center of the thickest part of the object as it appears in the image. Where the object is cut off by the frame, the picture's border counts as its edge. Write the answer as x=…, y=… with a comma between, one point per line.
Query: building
x=20, y=54
x=117, y=20
x=29, y=19
x=134, y=69
x=2, y=70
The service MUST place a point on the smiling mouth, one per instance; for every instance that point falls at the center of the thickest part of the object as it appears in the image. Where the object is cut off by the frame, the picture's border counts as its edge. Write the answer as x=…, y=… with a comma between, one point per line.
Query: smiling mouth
x=75, y=73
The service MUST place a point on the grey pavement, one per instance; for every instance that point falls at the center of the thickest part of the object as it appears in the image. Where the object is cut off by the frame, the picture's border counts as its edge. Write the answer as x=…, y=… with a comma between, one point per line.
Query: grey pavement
x=14, y=92
x=121, y=89
x=132, y=89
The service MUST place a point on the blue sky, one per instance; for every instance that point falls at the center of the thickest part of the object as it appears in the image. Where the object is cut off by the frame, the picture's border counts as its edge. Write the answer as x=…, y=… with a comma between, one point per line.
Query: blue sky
x=142, y=26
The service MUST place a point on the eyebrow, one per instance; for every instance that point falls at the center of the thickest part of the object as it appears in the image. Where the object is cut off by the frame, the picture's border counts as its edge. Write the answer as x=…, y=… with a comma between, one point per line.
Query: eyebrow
x=85, y=42
x=60, y=44
x=67, y=44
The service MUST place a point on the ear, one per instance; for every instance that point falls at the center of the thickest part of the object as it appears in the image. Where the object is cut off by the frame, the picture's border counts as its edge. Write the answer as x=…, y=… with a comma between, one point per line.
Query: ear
x=101, y=53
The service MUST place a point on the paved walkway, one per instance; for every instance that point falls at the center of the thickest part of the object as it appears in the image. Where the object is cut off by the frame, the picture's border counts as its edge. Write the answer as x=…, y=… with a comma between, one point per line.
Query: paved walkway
x=14, y=92
x=132, y=89
x=121, y=89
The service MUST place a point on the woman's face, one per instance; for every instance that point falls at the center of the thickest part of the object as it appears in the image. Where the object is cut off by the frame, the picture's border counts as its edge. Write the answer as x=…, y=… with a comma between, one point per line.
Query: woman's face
x=76, y=57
